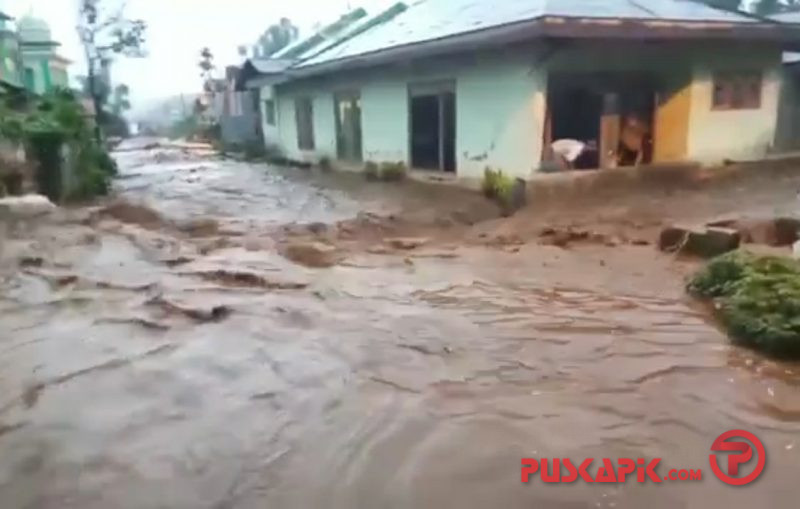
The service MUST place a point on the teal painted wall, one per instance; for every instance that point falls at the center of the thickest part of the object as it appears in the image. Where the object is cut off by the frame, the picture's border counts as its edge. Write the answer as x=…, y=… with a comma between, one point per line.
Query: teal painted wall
x=10, y=70
x=499, y=111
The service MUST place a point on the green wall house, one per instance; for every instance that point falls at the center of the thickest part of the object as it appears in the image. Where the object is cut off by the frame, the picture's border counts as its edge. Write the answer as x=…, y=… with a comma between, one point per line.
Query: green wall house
x=43, y=69
x=10, y=58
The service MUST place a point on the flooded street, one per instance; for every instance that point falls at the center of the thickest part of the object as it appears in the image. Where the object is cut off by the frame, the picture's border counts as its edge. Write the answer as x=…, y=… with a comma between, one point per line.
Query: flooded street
x=169, y=355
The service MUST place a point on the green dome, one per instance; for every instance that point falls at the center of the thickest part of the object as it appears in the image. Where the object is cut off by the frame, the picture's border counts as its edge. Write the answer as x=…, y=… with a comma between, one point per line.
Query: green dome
x=34, y=30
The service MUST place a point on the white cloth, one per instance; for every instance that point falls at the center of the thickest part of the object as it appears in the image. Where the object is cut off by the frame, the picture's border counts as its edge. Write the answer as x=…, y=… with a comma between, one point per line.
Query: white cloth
x=569, y=149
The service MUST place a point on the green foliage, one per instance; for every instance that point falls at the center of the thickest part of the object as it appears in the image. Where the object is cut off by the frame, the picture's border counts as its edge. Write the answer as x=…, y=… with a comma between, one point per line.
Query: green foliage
x=757, y=299
x=325, y=164
x=498, y=186
x=386, y=171
x=45, y=124
x=393, y=172
x=371, y=171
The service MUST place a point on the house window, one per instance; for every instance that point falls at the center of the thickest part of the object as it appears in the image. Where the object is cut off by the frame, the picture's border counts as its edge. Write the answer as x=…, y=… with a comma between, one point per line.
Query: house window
x=303, y=113
x=737, y=91
x=269, y=111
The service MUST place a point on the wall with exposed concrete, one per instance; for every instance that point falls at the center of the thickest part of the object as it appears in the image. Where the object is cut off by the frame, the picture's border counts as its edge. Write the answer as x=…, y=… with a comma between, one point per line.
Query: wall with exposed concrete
x=742, y=134
x=499, y=111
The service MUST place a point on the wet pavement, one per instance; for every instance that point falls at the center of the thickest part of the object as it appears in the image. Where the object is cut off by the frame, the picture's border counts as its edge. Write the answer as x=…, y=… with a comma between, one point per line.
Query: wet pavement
x=144, y=367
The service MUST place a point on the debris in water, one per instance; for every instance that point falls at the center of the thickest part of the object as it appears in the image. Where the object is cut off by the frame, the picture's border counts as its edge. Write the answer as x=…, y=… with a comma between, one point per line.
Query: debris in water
x=312, y=254
x=248, y=279
x=406, y=243
x=200, y=314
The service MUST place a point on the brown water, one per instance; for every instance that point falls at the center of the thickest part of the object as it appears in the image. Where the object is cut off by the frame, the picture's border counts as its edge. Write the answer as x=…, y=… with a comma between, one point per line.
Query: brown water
x=138, y=372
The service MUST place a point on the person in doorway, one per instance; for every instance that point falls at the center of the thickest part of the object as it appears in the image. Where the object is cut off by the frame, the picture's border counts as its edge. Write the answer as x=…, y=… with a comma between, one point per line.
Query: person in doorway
x=633, y=139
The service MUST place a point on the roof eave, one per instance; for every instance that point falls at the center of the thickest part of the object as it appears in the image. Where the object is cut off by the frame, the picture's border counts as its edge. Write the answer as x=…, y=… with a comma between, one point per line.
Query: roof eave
x=566, y=28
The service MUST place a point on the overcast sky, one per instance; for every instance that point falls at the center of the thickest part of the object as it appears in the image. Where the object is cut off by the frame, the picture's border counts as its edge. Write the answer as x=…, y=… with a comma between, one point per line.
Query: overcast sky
x=178, y=29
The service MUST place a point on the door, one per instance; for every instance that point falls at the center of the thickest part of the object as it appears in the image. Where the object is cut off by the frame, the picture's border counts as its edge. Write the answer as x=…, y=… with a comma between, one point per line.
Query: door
x=432, y=125
x=348, y=126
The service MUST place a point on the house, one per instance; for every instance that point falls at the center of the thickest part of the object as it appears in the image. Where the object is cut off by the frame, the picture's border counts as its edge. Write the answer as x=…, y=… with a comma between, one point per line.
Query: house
x=787, y=137
x=250, y=106
x=44, y=70
x=10, y=57
x=459, y=85
x=28, y=56
x=239, y=119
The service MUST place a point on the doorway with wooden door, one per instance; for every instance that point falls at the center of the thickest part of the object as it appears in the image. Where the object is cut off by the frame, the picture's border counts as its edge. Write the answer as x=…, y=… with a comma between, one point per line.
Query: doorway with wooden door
x=347, y=112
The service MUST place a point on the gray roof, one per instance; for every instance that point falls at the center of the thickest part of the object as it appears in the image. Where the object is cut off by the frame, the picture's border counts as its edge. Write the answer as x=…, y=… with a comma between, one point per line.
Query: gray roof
x=270, y=65
x=787, y=17
x=428, y=20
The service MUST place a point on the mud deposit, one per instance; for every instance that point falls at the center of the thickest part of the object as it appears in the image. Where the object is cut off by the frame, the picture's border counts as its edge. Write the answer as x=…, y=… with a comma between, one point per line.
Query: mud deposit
x=146, y=363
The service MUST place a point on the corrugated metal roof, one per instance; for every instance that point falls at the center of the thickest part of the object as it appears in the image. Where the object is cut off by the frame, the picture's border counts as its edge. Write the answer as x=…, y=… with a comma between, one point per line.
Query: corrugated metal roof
x=322, y=37
x=270, y=65
x=428, y=20
x=787, y=17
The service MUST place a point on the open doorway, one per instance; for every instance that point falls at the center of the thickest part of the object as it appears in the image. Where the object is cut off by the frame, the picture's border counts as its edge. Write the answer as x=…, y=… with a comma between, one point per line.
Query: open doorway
x=432, y=121
x=348, y=126
x=599, y=120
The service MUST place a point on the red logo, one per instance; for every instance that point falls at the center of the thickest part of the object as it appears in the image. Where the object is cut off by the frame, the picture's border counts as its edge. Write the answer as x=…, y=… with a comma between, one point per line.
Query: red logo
x=745, y=454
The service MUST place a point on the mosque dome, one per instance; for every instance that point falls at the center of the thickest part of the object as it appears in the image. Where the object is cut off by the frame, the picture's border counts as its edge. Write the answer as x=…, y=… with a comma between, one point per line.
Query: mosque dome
x=34, y=30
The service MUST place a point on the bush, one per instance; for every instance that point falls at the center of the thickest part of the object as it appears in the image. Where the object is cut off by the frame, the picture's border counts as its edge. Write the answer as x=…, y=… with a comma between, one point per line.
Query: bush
x=371, y=171
x=489, y=182
x=386, y=172
x=757, y=299
x=325, y=164
x=393, y=172
x=500, y=187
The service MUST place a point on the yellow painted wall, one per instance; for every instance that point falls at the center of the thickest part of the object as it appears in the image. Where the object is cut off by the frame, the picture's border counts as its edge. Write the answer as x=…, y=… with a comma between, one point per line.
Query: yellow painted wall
x=716, y=135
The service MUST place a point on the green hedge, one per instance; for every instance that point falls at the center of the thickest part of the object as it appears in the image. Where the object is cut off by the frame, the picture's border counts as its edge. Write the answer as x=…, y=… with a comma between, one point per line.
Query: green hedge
x=757, y=299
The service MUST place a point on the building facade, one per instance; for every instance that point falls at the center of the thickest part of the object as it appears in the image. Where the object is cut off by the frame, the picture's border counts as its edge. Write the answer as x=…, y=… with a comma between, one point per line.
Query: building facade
x=458, y=86
x=43, y=69
x=10, y=56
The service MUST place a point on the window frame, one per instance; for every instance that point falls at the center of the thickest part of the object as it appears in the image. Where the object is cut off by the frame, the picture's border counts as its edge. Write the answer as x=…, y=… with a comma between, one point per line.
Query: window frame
x=736, y=87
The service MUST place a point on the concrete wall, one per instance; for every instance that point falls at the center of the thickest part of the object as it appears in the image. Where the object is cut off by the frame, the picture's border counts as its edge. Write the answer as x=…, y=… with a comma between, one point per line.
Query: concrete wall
x=716, y=135
x=499, y=111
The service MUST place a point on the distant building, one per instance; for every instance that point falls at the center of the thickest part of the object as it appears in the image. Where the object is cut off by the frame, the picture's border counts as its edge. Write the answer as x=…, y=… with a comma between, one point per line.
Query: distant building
x=43, y=69
x=10, y=57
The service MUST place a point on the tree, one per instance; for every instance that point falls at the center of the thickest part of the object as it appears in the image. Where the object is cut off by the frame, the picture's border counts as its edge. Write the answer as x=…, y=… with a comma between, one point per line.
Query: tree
x=104, y=36
x=728, y=5
x=207, y=67
x=121, y=102
x=768, y=7
x=276, y=37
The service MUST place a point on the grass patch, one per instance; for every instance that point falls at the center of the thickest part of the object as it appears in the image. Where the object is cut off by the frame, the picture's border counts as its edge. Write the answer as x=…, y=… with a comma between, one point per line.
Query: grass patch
x=757, y=299
x=501, y=188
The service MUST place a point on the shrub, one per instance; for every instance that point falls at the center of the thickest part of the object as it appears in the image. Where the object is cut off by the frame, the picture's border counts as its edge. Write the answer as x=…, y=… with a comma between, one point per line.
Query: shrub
x=503, y=189
x=371, y=171
x=489, y=182
x=393, y=172
x=757, y=299
x=325, y=163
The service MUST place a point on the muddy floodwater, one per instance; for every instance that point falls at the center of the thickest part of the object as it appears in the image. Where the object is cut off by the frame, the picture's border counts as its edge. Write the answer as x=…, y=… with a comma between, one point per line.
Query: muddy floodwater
x=168, y=355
